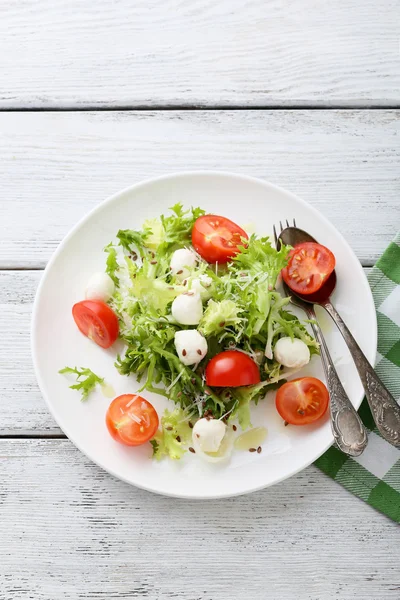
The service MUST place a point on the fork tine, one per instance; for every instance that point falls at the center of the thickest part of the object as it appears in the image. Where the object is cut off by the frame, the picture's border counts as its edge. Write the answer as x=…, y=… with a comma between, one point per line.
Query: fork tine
x=280, y=223
x=275, y=237
x=294, y=222
x=287, y=223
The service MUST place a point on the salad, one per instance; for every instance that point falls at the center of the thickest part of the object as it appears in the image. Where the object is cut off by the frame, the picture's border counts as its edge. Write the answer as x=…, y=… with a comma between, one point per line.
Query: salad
x=194, y=300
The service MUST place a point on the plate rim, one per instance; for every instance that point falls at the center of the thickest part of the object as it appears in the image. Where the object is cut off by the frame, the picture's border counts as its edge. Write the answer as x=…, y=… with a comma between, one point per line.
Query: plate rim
x=109, y=200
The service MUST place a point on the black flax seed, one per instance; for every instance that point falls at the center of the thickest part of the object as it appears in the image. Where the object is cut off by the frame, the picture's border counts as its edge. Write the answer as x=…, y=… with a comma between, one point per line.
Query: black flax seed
x=234, y=427
x=259, y=450
x=190, y=424
x=192, y=450
x=199, y=351
x=184, y=352
x=252, y=449
x=178, y=438
x=169, y=428
x=179, y=272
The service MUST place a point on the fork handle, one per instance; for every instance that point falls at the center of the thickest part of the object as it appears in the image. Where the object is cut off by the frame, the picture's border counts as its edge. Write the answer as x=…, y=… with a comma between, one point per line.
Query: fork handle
x=384, y=408
x=347, y=428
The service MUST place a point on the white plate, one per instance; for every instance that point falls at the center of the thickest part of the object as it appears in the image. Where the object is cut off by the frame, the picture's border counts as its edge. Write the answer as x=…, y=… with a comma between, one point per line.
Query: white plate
x=56, y=341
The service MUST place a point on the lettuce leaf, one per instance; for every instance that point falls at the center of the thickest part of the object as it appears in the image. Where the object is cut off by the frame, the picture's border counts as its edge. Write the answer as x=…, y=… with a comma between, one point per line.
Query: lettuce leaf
x=133, y=241
x=219, y=315
x=174, y=435
x=86, y=380
x=112, y=263
x=252, y=278
x=243, y=396
x=155, y=233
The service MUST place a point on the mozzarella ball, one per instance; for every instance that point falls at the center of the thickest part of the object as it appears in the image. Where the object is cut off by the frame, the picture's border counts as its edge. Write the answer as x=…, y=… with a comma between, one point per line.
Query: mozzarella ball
x=180, y=260
x=191, y=346
x=100, y=287
x=208, y=434
x=291, y=353
x=187, y=308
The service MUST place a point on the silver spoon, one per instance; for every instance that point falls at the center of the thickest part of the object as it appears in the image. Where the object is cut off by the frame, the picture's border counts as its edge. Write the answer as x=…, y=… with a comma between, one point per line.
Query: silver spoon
x=384, y=408
x=347, y=428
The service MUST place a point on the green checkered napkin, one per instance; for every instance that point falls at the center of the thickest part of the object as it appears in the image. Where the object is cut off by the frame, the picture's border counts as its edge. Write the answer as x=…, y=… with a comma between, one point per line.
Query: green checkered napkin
x=375, y=475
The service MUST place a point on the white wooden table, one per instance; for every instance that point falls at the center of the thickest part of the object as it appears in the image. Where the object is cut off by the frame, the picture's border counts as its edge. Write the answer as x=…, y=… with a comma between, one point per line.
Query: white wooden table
x=97, y=96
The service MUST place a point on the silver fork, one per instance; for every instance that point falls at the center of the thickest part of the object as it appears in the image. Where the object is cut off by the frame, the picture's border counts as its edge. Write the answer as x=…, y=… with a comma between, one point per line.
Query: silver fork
x=347, y=428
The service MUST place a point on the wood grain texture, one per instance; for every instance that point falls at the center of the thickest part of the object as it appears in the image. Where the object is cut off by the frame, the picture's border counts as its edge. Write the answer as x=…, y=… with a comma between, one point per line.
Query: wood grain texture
x=77, y=533
x=23, y=409
x=154, y=52
x=57, y=166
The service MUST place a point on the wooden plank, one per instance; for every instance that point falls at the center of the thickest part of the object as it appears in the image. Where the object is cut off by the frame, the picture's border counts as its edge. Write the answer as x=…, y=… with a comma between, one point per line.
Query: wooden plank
x=69, y=530
x=152, y=52
x=23, y=409
x=57, y=166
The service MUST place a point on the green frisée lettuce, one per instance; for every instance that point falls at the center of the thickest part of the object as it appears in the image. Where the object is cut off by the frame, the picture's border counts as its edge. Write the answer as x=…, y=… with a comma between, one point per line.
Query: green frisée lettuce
x=112, y=262
x=174, y=435
x=242, y=310
x=237, y=400
x=251, y=279
x=86, y=380
x=218, y=316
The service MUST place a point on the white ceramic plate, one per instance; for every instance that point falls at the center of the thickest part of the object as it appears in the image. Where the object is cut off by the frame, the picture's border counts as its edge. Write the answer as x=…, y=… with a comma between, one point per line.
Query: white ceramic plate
x=56, y=341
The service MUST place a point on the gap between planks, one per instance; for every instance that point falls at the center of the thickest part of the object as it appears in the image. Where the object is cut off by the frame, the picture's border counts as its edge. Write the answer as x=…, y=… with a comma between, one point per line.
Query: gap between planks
x=340, y=105
x=33, y=436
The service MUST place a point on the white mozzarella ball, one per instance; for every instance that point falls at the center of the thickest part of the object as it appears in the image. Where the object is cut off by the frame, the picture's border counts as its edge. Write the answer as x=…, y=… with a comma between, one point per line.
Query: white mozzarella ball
x=100, y=287
x=191, y=346
x=187, y=308
x=208, y=434
x=180, y=260
x=291, y=353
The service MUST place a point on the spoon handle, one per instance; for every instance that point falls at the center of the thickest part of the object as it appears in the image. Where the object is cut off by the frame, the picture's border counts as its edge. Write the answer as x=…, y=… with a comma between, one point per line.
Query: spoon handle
x=384, y=408
x=348, y=430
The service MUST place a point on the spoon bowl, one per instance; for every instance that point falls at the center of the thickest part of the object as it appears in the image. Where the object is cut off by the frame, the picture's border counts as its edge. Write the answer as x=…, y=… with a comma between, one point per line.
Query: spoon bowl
x=291, y=236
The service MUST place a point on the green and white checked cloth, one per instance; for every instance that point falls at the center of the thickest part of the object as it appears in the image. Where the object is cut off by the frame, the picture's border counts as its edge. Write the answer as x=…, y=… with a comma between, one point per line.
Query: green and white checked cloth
x=375, y=475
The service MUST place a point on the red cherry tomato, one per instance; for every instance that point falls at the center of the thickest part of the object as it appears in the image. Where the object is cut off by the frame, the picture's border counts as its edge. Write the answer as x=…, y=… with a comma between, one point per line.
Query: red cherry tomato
x=131, y=420
x=217, y=239
x=97, y=321
x=232, y=369
x=309, y=266
x=302, y=401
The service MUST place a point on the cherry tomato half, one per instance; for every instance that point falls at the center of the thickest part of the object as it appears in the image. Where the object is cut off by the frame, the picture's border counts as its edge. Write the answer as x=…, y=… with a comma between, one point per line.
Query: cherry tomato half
x=309, y=266
x=97, y=321
x=232, y=369
x=217, y=239
x=131, y=420
x=302, y=401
